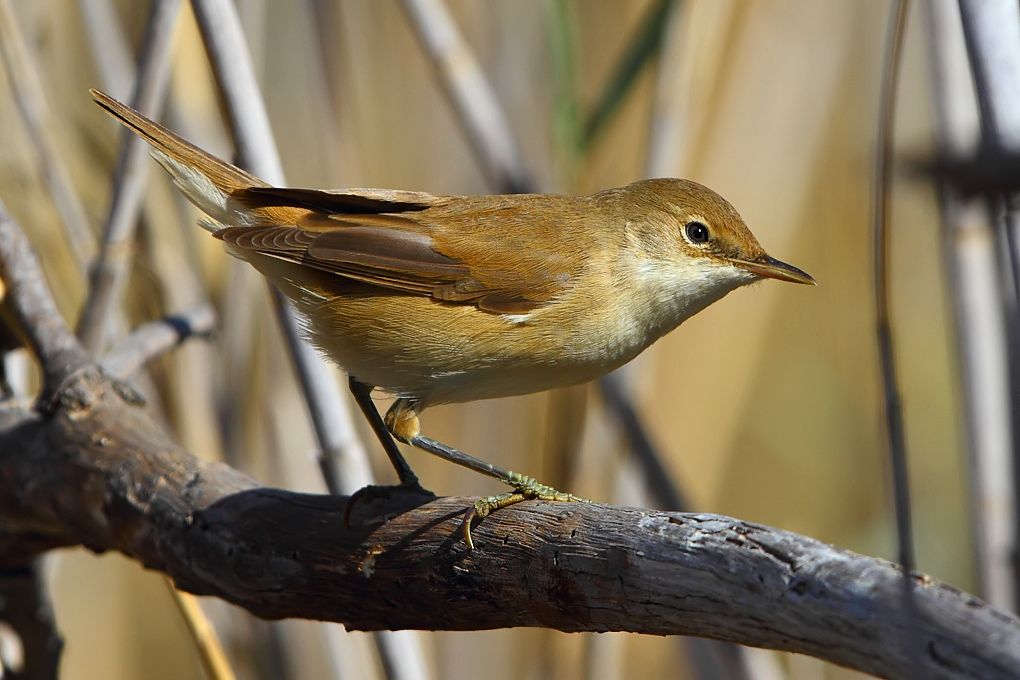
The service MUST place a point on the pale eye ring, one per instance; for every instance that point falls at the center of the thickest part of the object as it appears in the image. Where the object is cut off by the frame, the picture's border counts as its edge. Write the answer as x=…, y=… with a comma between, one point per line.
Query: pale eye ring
x=697, y=232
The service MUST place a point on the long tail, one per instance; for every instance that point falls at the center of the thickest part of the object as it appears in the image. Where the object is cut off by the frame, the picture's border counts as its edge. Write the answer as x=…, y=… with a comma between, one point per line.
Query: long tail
x=207, y=181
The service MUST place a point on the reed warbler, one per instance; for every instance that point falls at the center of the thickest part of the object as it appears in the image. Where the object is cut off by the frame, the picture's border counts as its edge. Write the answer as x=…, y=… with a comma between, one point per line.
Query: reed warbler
x=444, y=299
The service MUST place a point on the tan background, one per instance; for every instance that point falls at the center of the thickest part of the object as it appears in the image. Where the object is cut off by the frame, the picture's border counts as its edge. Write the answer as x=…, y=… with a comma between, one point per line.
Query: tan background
x=766, y=405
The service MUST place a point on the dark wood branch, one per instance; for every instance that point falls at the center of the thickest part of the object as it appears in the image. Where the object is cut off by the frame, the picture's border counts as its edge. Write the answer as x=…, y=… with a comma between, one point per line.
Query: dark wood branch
x=151, y=340
x=100, y=473
x=25, y=604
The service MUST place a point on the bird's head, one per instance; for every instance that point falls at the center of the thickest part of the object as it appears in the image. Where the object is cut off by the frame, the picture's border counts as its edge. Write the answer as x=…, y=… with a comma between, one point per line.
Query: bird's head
x=688, y=247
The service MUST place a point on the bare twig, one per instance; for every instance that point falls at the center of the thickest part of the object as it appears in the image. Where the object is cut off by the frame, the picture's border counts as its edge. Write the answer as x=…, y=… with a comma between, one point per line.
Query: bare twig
x=235, y=75
x=25, y=604
x=343, y=459
x=151, y=82
x=149, y=341
x=470, y=94
x=988, y=172
x=35, y=112
x=912, y=639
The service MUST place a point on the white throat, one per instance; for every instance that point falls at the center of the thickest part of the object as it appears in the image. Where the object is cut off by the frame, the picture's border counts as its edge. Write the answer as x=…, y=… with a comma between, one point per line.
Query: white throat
x=674, y=291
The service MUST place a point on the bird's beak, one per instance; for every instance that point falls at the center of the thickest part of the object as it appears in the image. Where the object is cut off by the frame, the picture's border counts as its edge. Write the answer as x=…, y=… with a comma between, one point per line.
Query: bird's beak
x=771, y=268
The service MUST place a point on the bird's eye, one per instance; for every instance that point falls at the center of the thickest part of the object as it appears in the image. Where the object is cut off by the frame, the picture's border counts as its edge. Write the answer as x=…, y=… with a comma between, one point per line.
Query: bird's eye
x=697, y=232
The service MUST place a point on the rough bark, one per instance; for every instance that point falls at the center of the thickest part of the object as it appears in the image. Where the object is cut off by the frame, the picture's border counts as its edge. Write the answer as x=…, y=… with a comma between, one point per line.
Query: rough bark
x=97, y=472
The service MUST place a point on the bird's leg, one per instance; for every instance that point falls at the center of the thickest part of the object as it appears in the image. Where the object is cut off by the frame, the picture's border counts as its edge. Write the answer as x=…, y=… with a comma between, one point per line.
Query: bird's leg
x=402, y=421
x=408, y=480
x=363, y=395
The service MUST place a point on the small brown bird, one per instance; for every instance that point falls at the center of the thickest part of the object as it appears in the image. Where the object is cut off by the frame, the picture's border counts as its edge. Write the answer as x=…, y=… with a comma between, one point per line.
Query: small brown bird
x=443, y=299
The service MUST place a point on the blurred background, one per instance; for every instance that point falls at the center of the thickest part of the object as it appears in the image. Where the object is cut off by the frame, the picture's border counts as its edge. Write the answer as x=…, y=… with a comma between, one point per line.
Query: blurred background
x=766, y=406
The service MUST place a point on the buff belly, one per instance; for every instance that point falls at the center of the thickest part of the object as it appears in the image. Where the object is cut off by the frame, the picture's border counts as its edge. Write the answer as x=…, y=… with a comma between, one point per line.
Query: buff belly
x=443, y=353
x=438, y=352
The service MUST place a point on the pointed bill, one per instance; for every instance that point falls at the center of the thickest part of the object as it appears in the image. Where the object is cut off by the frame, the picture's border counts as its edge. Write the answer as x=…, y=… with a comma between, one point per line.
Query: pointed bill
x=771, y=268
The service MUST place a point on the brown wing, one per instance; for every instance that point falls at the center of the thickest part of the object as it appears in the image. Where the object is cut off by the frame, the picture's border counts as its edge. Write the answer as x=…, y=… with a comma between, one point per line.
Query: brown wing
x=402, y=243
x=478, y=251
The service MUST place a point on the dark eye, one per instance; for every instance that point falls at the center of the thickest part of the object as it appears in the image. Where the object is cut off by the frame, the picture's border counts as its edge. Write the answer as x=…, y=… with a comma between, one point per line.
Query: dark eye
x=697, y=232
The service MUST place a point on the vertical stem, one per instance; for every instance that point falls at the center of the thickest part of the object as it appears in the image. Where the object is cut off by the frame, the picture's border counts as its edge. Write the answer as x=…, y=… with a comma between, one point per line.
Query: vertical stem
x=992, y=32
x=893, y=408
x=400, y=651
x=968, y=248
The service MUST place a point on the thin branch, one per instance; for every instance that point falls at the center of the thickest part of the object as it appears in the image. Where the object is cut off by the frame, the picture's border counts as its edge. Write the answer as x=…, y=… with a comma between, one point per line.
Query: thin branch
x=988, y=172
x=152, y=80
x=230, y=59
x=470, y=94
x=35, y=113
x=210, y=652
x=912, y=640
x=34, y=310
x=343, y=458
x=149, y=341
x=25, y=604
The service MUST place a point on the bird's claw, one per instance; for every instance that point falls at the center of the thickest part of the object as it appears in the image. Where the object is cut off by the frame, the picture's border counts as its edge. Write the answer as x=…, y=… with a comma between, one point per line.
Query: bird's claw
x=525, y=489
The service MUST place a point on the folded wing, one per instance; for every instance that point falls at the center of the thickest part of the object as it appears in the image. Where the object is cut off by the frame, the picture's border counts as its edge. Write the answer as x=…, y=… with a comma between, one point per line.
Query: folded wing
x=384, y=239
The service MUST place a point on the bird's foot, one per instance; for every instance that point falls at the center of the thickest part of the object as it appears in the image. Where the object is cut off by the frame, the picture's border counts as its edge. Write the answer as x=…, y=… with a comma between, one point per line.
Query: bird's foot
x=525, y=489
x=374, y=492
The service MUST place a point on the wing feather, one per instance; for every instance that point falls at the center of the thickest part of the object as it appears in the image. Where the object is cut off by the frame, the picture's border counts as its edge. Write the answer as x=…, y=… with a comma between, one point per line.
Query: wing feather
x=406, y=243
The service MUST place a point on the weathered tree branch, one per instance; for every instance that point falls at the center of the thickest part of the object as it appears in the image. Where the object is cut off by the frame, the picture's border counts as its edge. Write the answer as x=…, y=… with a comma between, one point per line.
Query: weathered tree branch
x=92, y=469
x=99, y=473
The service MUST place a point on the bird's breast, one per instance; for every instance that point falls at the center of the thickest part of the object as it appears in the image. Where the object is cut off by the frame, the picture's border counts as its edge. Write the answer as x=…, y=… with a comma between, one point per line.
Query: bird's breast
x=443, y=353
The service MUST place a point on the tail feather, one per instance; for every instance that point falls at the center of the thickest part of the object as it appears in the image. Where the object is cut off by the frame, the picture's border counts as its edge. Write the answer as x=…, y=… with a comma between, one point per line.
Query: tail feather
x=207, y=181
